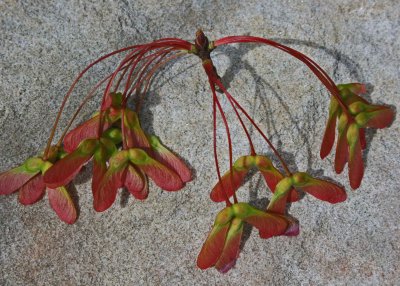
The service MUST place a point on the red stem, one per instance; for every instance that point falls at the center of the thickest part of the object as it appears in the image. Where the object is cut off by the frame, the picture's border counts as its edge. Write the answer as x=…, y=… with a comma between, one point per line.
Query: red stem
x=163, y=43
x=149, y=76
x=315, y=68
x=129, y=80
x=228, y=203
x=222, y=87
x=139, y=75
x=252, y=149
x=85, y=100
x=228, y=134
x=107, y=90
x=89, y=96
x=121, y=77
x=162, y=53
x=167, y=42
x=69, y=92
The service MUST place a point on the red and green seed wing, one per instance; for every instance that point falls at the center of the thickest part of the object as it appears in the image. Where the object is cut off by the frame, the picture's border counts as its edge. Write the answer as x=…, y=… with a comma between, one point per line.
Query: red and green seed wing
x=280, y=197
x=164, y=177
x=134, y=134
x=99, y=170
x=271, y=175
x=14, y=179
x=213, y=247
x=215, y=242
x=350, y=92
x=86, y=130
x=64, y=170
x=269, y=224
x=363, y=140
x=169, y=159
x=102, y=154
x=232, y=179
x=230, y=252
x=104, y=195
x=342, y=149
x=376, y=116
x=321, y=189
x=32, y=191
x=62, y=204
x=136, y=183
x=228, y=185
x=356, y=164
x=329, y=135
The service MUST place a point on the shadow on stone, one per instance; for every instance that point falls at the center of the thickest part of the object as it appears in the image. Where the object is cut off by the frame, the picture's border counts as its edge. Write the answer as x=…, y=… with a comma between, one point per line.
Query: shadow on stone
x=84, y=175
x=124, y=197
x=340, y=58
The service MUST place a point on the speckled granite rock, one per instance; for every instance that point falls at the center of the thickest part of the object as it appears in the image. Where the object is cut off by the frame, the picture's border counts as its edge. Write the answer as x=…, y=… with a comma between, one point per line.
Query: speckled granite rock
x=156, y=242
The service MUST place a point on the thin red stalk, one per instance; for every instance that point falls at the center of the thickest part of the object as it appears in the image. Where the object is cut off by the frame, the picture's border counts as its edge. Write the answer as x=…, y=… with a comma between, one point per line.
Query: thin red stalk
x=150, y=75
x=156, y=44
x=252, y=149
x=133, y=65
x=107, y=90
x=315, y=68
x=69, y=92
x=121, y=77
x=145, y=77
x=228, y=203
x=141, y=71
x=228, y=134
x=149, y=60
x=129, y=82
x=319, y=72
x=178, y=43
x=85, y=100
x=160, y=55
x=130, y=79
x=123, y=74
x=170, y=42
x=293, y=52
x=222, y=87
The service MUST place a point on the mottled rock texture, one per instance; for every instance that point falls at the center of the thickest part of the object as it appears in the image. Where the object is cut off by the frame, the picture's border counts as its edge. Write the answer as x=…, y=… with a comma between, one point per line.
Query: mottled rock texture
x=43, y=44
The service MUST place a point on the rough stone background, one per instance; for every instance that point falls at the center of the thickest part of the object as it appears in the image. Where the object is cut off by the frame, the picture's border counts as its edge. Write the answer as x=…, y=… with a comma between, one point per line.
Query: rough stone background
x=43, y=44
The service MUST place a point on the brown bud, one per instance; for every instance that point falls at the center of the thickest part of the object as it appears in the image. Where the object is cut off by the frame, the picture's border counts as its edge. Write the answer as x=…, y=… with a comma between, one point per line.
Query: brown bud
x=201, y=40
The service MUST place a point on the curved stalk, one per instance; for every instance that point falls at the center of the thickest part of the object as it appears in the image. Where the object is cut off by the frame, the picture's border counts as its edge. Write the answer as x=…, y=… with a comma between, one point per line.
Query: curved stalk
x=149, y=77
x=315, y=68
x=284, y=165
x=69, y=92
x=227, y=201
x=228, y=134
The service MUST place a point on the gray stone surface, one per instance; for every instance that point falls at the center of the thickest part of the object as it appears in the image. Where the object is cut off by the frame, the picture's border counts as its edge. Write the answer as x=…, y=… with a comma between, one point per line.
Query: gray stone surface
x=43, y=44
